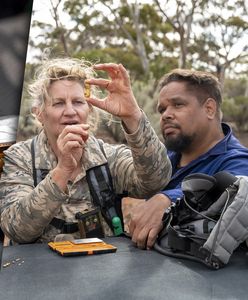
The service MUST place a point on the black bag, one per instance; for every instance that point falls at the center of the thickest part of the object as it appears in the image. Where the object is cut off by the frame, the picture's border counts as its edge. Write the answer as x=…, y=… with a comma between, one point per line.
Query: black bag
x=189, y=222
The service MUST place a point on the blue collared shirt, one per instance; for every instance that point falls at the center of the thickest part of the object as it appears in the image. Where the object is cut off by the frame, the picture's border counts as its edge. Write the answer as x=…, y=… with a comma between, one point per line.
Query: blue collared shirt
x=227, y=155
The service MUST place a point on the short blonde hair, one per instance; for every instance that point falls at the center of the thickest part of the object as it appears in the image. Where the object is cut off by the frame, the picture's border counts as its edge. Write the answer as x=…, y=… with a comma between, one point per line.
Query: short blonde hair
x=55, y=69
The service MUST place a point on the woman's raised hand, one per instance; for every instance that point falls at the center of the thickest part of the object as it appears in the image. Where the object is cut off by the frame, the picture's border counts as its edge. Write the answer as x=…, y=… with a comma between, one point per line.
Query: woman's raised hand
x=120, y=100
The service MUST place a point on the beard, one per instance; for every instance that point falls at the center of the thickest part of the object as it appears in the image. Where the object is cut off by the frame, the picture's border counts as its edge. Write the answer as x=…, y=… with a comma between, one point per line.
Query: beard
x=179, y=143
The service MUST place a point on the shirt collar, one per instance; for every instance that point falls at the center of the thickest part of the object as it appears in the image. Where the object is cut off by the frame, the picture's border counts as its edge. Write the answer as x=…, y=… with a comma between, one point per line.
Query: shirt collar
x=221, y=146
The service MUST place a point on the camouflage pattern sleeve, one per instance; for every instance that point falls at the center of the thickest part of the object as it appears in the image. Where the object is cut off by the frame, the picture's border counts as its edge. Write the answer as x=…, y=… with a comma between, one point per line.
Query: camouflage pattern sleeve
x=144, y=170
x=26, y=211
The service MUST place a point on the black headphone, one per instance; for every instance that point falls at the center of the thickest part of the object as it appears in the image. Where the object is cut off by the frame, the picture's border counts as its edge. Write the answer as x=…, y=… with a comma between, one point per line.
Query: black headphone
x=202, y=190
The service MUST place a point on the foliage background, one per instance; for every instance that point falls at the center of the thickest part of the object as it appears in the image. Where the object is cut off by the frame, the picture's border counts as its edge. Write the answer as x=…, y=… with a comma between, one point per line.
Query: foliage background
x=149, y=38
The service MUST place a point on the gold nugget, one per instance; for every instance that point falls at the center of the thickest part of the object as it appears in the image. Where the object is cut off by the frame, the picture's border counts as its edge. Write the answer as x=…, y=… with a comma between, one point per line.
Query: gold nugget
x=86, y=90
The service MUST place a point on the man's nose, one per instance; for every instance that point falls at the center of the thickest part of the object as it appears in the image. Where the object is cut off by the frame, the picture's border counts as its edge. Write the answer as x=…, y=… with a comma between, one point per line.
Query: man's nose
x=167, y=114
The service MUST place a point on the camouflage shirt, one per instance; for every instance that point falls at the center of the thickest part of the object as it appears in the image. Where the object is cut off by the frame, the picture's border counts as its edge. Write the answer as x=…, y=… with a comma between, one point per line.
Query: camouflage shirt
x=142, y=169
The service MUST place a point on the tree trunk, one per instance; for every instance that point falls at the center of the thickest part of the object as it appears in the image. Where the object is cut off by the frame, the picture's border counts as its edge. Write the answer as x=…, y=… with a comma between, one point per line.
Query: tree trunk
x=140, y=47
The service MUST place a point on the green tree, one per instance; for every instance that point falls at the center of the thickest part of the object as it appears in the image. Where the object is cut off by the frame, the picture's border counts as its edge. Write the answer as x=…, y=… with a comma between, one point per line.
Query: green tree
x=221, y=44
x=150, y=39
x=131, y=32
x=181, y=19
x=235, y=103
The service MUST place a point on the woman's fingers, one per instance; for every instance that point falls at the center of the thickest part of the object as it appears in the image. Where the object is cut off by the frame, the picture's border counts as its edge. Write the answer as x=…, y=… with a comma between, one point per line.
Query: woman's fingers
x=115, y=71
x=102, y=83
x=79, y=129
x=100, y=103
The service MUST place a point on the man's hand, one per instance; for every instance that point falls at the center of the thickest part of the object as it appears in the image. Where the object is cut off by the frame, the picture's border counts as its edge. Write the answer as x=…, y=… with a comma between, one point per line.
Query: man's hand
x=127, y=206
x=146, y=221
x=120, y=100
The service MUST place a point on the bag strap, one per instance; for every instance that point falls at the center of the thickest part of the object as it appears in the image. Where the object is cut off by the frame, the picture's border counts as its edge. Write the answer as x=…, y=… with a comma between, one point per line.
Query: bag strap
x=65, y=227
x=1, y=246
x=33, y=162
x=101, y=188
x=38, y=174
x=103, y=194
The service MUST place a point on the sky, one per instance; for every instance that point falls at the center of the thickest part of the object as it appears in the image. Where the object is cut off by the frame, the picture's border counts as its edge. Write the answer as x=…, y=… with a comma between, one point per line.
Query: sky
x=42, y=13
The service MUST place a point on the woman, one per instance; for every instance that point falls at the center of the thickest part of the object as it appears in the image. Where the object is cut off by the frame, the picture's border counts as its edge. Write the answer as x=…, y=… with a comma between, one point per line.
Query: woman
x=66, y=149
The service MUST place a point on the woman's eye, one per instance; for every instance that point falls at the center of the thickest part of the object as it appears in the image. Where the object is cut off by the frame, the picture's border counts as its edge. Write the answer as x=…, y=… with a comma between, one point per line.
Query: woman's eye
x=79, y=102
x=58, y=103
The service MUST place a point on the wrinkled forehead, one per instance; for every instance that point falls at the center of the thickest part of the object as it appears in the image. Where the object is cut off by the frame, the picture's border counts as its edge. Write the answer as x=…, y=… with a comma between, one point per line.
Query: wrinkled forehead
x=66, y=82
x=63, y=87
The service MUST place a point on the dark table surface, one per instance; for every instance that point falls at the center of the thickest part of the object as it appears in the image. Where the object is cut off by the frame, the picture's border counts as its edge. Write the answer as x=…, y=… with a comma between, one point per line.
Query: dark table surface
x=36, y=272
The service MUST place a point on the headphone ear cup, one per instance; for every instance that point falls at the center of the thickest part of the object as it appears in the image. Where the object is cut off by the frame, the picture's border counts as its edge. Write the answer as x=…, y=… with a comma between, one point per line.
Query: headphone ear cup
x=223, y=180
x=198, y=182
x=196, y=188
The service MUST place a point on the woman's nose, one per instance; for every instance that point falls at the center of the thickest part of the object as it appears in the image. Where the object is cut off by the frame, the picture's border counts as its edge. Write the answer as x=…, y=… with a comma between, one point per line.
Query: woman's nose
x=69, y=109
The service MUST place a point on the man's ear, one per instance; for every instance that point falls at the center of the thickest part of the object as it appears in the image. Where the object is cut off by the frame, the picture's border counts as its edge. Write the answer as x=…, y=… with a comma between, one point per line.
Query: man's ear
x=211, y=108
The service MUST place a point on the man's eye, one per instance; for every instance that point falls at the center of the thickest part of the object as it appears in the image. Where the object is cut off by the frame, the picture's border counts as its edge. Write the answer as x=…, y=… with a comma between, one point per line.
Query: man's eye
x=178, y=105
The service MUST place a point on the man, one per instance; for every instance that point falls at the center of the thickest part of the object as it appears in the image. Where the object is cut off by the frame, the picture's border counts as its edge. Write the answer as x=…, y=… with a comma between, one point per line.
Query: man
x=190, y=117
